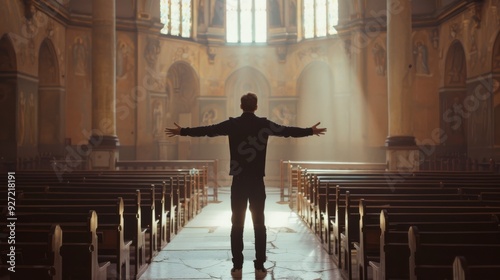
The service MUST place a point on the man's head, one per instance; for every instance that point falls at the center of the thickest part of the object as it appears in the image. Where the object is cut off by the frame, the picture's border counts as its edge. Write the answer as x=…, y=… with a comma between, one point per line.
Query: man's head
x=249, y=102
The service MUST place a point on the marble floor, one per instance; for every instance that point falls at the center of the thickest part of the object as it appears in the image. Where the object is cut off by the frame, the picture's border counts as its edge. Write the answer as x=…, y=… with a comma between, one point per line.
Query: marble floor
x=201, y=250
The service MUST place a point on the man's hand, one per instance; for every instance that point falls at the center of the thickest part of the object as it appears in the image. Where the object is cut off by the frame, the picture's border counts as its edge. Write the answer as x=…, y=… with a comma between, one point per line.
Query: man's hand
x=173, y=131
x=318, y=131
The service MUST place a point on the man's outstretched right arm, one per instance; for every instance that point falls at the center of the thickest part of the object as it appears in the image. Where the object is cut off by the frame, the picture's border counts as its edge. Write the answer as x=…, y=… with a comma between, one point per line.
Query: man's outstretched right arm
x=210, y=130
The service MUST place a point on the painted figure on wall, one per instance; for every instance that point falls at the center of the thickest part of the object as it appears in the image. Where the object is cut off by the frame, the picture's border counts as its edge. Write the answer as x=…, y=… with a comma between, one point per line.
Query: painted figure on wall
x=80, y=58
x=283, y=115
x=421, y=58
x=379, y=56
x=152, y=51
x=219, y=11
x=157, y=116
x=209, y=117
x=122, y=59
x=201, y=12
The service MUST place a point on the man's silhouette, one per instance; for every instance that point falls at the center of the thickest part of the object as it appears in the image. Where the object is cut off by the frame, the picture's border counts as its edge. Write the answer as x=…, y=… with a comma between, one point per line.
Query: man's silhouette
x=248, y=136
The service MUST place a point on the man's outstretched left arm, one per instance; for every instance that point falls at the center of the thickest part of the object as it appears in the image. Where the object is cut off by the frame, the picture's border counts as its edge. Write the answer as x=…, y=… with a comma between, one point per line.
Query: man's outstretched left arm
x=173, y=131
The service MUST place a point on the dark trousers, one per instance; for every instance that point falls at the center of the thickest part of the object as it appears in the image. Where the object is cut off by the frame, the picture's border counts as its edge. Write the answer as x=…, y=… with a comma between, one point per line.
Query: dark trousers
x=248, y=191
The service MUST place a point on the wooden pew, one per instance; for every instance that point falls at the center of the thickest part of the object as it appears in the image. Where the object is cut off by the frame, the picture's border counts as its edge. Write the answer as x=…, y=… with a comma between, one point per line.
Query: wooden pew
x=394, y=251
x=78, y=252
x=36, y=252
x=435, y=260
x=346, y=225
x=357, y=223
x=170, y=220
x=151, y=215
x=112, y=246
x=132, y=229
x=463, y=271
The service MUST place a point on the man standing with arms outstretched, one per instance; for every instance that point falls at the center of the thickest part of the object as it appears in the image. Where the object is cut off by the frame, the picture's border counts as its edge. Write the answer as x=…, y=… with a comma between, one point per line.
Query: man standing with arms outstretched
x=248, y=136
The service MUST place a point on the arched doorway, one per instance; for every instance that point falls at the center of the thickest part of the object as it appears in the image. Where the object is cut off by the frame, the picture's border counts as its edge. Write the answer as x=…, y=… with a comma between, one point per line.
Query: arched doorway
x=453, y=118
x=180, y=99
x=316, y=104
x=50, y=103
x=9, y=135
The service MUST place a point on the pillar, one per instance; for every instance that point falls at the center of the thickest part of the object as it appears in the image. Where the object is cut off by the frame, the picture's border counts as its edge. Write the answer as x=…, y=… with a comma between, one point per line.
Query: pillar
x=402, y=152
x=103, y=142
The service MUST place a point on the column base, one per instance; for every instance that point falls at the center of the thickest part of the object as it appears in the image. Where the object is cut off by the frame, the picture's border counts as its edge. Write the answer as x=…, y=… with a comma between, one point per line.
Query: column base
x=402, y=154
x=104, y=153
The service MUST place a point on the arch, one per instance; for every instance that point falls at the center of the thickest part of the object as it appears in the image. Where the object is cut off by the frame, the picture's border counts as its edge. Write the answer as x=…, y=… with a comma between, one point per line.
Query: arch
x=11, y=130
x=243, y=80
x=455, y=66
x=50, y=102
x=179, y=100
x=452, y=98
x=183, y=87
x=316, y=103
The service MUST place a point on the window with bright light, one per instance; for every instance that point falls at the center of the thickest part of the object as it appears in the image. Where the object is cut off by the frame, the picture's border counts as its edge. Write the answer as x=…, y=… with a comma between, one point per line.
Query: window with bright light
x=246, y=21
x=320, y=17
x=176, y=17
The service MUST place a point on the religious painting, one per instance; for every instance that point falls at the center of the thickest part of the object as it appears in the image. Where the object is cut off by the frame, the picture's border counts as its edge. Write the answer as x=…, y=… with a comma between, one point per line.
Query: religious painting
x=283, y=111
x=380, y=58
x=421, y=58
x=212, y=110
x=81, y=56
x=152, y=51
x=157, y=111
x=124, y=59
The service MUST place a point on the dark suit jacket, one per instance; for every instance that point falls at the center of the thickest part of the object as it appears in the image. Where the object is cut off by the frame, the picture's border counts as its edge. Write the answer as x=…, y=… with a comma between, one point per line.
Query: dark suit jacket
x=248, y=135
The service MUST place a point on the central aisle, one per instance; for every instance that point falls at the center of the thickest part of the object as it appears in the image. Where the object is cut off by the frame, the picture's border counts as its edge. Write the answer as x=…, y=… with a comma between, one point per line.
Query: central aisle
x=201, y=250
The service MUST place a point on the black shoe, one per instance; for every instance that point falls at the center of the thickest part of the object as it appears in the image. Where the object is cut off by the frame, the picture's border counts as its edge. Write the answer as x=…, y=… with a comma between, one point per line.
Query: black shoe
x=236, y=272
x=260, y=273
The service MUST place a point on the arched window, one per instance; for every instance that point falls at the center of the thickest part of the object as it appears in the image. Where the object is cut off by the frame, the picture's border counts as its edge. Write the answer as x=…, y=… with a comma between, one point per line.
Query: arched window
x=176, y=15
x=320, y=17
x=246, y=21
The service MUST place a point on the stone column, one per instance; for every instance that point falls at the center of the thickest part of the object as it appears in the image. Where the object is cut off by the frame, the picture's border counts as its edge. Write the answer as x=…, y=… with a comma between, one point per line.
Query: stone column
x=104, y=142
x=402, y=153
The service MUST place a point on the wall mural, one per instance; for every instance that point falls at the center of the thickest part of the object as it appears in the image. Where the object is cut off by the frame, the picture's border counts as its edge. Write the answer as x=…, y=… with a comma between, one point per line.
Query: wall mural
x=421, y=57
x=27, y=119
x=124, y=59
x=283, y=112
x=380, y=58
x=81, y=56
x=212, y=110
x=158, y=105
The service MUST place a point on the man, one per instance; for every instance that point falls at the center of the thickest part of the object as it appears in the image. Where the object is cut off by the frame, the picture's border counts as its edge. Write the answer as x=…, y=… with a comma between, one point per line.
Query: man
x=248, y=136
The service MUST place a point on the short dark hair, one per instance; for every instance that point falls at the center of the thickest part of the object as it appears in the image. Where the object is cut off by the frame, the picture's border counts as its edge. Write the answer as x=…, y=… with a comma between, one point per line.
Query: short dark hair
x=249, y=102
